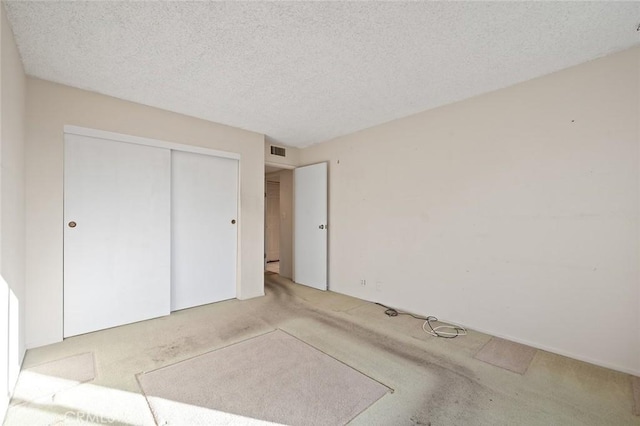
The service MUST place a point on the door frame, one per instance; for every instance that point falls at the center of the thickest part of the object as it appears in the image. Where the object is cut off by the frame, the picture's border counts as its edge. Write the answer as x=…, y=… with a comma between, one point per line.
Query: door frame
x=279, y=166
x=282, y=166
x=119, y=137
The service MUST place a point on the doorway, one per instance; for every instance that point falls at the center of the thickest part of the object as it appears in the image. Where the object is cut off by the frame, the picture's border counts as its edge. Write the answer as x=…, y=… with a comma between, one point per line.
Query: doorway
x=272, y=224
x=278, y=219
x=309, y=235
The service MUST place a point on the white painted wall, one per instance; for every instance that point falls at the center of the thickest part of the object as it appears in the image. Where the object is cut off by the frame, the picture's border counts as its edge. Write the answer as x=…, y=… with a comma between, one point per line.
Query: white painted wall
x=12, y=224
x=514, y=213
x=50, y=106
x=638, y=228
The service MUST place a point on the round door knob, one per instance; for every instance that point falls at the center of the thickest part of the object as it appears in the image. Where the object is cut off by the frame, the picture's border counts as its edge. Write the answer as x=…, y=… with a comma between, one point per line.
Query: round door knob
x=233, y=221
x=321, y=226
x=72, y=224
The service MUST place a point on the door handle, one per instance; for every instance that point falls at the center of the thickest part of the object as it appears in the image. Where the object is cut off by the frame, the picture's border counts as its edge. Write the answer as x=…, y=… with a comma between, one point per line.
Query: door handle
x=72, y=224
x=321, y=226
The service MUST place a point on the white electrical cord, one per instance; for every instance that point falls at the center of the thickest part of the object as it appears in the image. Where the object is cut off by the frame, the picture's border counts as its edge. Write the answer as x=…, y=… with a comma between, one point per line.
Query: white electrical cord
x=457, y=330
x=454, y=329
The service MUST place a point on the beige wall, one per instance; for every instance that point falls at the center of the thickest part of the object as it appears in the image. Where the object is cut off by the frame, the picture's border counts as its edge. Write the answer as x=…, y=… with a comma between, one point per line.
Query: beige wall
x=514, y=213
x=12, y=224
x=50, y=106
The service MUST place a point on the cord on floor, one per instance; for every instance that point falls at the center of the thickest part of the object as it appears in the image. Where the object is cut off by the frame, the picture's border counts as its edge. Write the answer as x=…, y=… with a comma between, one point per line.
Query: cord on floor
x=446, y=331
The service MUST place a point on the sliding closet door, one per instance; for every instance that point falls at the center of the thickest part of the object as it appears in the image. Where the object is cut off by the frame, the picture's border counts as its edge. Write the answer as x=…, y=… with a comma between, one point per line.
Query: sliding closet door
x=204, y=203
x=116, y=233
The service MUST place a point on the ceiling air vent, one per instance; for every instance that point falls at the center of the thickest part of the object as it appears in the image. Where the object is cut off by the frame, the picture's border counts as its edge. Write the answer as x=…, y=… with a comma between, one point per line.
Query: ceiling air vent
x=276, y=150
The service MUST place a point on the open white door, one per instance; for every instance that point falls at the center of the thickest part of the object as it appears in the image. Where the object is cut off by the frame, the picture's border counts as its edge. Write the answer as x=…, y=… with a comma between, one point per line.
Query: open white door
x=310, y=227
x=116, y=233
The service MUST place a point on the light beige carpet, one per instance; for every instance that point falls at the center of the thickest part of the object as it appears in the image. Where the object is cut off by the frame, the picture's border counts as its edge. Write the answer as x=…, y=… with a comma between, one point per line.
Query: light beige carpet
x=635, y=384
x=46, y=380
x=505, y=354
x=273, y=377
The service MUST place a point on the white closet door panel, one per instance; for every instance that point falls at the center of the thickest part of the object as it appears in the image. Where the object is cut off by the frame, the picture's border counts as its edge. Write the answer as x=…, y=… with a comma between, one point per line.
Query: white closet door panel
x=204, y=205
x=117, y=257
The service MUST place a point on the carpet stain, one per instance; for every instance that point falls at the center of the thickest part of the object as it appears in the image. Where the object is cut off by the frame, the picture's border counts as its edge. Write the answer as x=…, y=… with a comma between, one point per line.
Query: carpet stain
x=164, y=353
x=435, y=384
x=454, y=394
x=335, y=320
x=454, y=382
x=417, y=422
x=244, y=326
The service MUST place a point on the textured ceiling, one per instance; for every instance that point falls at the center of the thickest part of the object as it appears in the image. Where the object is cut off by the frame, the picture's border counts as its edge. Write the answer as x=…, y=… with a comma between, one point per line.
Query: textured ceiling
x=306, y=72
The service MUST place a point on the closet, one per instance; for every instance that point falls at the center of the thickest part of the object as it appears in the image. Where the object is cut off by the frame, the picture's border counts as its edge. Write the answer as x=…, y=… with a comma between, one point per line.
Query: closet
x=149, y=228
